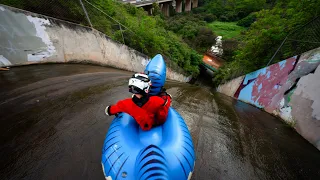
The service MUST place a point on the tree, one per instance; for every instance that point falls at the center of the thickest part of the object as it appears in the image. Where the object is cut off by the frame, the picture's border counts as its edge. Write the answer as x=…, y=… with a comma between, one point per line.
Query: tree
x=264, y=36
x=231, y=10
x=156, y=9
x=193, y=30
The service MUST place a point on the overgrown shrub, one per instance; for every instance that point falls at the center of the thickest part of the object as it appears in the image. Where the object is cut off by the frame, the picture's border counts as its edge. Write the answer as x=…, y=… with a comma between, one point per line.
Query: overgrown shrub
x=193, y=31
x=230, y=10
x=247, y=21
x=223, y=18
x=263, y=38
x=209, y=18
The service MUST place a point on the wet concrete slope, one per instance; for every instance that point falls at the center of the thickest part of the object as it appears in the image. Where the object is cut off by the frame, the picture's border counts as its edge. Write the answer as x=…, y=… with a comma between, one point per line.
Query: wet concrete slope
x=235, y=140
x=52, y=127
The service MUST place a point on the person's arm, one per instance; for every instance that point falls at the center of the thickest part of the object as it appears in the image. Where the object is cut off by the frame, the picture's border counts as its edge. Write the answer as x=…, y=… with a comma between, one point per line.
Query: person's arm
x=162, y=113
x=120, y=106
x=138, y=114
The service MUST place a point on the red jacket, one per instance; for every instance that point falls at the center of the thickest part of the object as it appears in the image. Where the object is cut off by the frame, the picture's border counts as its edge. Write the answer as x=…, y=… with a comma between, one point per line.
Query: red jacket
x=153, y=112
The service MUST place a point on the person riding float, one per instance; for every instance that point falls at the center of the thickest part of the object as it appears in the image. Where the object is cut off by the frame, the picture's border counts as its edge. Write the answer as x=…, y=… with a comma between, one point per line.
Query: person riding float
x=148, y=111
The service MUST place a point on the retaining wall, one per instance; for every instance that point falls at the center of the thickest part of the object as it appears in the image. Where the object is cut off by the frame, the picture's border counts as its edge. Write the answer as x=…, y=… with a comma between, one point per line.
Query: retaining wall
x=27, y=38
x=289, y=89
x=231, y=87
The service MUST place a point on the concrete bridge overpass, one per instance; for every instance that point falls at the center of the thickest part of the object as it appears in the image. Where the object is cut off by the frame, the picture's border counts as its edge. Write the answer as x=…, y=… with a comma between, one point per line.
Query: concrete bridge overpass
x=164, y=5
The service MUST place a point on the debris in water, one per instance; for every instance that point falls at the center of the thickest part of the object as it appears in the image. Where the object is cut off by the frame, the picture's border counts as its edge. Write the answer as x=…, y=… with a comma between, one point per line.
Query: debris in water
x=4, y=69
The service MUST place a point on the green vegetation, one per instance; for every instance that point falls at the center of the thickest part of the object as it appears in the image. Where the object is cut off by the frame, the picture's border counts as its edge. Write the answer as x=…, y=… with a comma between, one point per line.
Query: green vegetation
x=193, y=30
x=247, y=21
x=252, y=30
x=144, y=33
x=261, y=41
x=231, y=10
x=227, y=30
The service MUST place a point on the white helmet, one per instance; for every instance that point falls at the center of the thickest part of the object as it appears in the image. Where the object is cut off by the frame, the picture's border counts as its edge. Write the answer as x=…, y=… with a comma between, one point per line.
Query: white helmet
x=139, y=84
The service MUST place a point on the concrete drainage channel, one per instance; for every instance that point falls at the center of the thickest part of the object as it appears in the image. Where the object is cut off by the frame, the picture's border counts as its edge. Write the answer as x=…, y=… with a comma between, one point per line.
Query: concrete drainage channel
x=53, y=127
x=52, y=119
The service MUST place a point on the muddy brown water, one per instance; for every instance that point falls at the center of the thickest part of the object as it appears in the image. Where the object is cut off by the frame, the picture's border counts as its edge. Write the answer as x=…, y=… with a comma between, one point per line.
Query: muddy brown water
x=53, y=127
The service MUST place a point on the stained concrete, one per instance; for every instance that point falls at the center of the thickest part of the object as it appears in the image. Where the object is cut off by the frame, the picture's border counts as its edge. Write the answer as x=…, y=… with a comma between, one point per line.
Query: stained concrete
x=53, y=127
x=18, y=37
x=308, y=88
x=194, y=3
x=187, y=5
x=179, y=6
x=305, y=103
x=28, y=38
x=230, y=87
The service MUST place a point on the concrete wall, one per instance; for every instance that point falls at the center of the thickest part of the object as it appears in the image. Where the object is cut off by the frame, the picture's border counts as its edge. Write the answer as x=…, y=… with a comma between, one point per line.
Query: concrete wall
x=178, y=4
x=27, y=38
x=288, y=89
x=194, y=3
x=231, y=87
x=187, y=5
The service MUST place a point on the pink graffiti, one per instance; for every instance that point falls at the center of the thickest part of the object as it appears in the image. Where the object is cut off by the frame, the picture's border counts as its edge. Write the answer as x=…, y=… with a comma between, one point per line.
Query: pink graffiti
x=267, y=86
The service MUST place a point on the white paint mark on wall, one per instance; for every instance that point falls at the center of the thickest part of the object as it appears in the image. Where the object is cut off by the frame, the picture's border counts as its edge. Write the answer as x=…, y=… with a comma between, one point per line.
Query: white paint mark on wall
x=309, y=89
x=4, y=61
x=285, y=111
x=2, y=8
x=41, y=32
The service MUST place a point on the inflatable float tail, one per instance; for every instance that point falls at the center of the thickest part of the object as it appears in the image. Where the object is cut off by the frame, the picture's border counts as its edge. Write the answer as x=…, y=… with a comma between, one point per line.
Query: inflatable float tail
x=156, y=70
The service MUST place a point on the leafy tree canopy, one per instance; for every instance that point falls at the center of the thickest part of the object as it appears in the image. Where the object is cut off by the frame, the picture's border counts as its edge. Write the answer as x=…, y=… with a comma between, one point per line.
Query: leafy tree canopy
x=230, y=10
x=193, y=30
x=266, y=34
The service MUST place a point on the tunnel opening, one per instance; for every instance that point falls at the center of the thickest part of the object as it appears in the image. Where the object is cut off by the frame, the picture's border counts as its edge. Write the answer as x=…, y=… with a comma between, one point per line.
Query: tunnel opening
x=204, y=79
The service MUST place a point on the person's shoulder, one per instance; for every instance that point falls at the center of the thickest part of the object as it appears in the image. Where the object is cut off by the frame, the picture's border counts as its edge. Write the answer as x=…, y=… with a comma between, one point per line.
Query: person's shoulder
x=157, y=100
x=125, y=100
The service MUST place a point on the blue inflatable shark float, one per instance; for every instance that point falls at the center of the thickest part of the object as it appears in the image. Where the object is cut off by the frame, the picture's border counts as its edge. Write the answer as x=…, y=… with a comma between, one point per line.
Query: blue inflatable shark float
x=165, y=152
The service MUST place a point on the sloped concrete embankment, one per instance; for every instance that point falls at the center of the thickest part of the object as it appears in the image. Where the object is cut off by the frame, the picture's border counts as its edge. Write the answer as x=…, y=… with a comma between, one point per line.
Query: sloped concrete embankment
x=289, y=89
x=28, y=38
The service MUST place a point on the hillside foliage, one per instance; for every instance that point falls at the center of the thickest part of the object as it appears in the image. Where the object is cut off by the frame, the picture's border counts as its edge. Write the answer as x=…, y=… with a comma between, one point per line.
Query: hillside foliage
x=183, y=37
x=265, y=35
x=193, y=30
x=144, y=33
x=230, y=10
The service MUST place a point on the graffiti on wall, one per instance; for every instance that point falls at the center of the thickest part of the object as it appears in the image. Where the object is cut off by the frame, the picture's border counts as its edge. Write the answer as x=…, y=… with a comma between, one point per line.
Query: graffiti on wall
x=289, y=89
x=260, y=86
x=271, y=87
